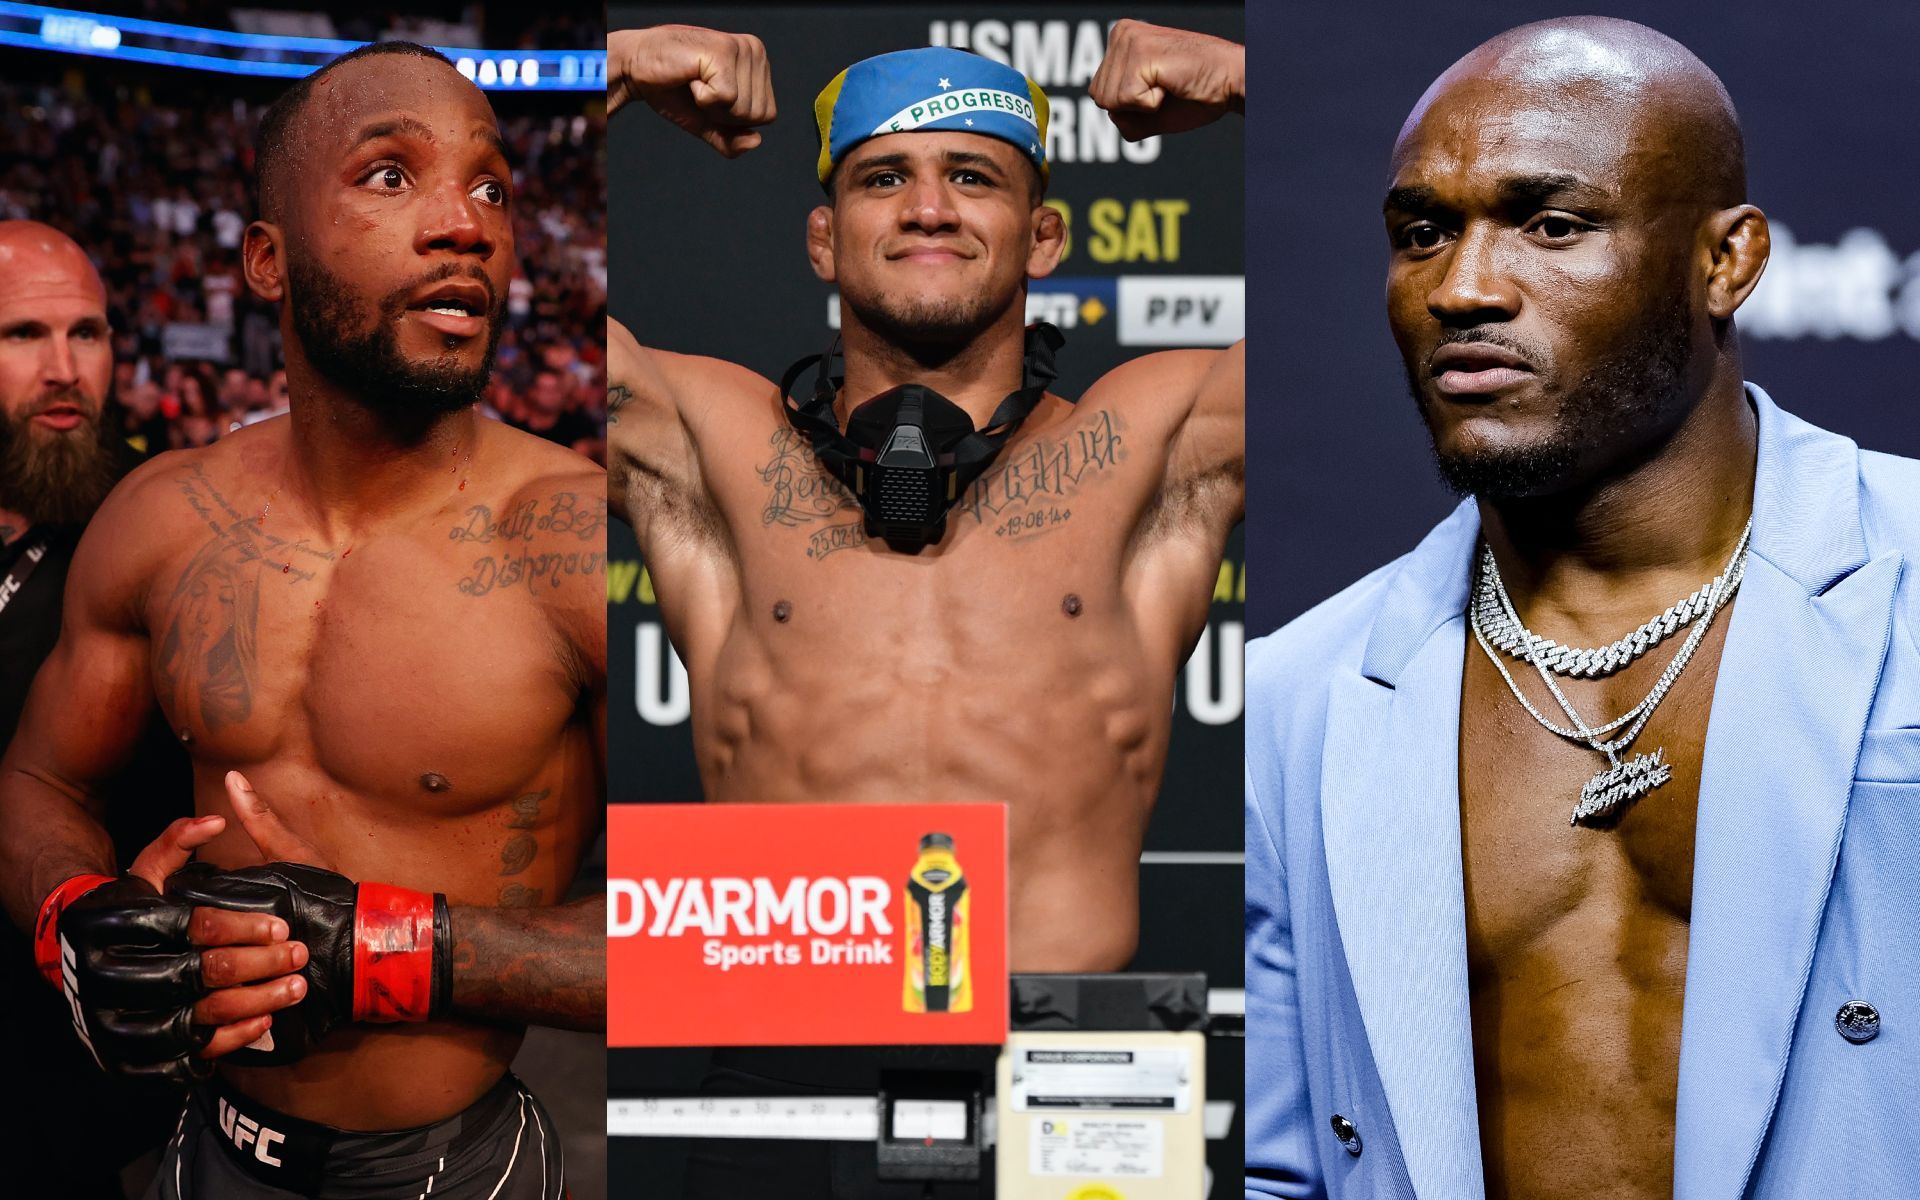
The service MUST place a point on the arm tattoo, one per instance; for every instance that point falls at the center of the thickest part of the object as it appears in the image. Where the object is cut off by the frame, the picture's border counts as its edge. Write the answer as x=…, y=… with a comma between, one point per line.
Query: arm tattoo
x=545, y=966
x=568, y=527
x=617, y=397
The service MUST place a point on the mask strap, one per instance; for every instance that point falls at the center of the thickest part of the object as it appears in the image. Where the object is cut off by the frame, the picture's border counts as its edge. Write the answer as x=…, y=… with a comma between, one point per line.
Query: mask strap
x=815, y=418
x=970, y=456
x=825, y=386
x=975, y=452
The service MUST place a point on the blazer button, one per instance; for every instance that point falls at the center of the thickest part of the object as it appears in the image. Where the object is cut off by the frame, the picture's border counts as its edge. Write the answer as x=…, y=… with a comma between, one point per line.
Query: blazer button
x=1857, y=1021
x=1348, y=1135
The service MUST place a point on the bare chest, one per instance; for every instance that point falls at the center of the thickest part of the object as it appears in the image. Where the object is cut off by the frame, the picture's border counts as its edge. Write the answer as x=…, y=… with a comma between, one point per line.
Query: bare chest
x=378, y=663
x=1034, y=550
x=1534, y=879
x=1075, y=477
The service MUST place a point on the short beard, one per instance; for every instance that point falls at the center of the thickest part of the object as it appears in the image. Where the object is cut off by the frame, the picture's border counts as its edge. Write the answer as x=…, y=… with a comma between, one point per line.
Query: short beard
x=369, y=366
x=930, y=328
x=61, y=480
x=1619, y=399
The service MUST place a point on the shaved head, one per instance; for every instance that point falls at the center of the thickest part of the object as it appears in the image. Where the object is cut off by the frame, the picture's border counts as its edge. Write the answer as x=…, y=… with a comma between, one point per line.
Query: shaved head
x=32, y=251
x=58, y=456
x=1590, y=68
x=1567, y=205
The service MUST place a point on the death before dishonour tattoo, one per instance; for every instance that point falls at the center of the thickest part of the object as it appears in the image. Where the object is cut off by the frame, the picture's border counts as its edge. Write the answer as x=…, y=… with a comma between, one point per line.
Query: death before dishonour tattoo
x=1021, y=495
x=562, y=519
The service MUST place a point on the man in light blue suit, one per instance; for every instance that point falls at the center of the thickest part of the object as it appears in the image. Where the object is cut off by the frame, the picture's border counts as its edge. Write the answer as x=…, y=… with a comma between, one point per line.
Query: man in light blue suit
x=1534, y=909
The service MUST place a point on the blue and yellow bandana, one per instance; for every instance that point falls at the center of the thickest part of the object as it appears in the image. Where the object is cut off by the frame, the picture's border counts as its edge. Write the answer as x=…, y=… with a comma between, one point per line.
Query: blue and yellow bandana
x=936, y=89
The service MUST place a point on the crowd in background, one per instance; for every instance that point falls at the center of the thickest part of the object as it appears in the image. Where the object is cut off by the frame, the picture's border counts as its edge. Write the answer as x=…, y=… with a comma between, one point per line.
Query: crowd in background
x=507, y=25
x=156, y=183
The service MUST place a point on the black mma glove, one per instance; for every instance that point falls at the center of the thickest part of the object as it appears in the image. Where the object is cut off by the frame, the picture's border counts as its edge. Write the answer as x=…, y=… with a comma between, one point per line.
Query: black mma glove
x=374, y=952
x=119, y=952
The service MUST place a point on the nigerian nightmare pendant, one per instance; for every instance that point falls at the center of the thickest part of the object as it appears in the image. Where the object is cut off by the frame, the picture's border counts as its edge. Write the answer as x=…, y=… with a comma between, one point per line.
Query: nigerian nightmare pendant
x=1619, y=784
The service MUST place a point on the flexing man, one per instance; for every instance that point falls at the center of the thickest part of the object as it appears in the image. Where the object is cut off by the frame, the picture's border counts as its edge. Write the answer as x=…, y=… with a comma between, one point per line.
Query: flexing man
x=1020, y=647
x=1490, y=849
x=60, y=453
x=378, y=627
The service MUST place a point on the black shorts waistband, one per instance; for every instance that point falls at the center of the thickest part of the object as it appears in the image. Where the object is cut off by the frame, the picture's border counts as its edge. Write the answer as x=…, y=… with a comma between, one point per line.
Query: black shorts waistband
x=287, y=1152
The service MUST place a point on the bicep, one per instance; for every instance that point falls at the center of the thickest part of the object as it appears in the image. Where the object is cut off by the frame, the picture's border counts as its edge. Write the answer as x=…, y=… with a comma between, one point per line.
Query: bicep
x=93, y=695
x=650, y=454
x=1194, y=403
x=665, y=493
x=1210, y=446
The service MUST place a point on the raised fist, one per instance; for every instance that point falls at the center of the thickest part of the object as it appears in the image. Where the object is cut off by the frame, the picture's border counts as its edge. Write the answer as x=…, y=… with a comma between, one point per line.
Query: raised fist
x=716, y=86
x=1158, y=80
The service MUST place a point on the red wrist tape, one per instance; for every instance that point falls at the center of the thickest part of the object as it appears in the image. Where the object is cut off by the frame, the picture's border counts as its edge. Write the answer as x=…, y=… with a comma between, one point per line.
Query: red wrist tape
x=46, y=928
x=392, y=953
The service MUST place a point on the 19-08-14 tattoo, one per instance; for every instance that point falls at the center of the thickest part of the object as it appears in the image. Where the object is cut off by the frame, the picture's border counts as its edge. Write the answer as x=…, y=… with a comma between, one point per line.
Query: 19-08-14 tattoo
x=1020, y=496
x=562, y=519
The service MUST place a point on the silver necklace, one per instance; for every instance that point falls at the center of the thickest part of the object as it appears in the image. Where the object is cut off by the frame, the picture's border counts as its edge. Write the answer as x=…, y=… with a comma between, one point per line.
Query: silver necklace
x=1618, y=783
x=1506, y=632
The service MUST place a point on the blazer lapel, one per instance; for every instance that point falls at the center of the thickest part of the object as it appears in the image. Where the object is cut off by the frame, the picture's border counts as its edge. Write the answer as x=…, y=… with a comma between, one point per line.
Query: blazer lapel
x=1804, y=651
x=1390, y=817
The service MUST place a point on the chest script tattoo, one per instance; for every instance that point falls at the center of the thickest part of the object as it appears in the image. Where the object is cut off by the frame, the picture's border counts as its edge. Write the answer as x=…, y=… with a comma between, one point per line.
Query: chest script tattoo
x=208, y=655
x=1021, y=495
x=568, y=526
x=799, y=490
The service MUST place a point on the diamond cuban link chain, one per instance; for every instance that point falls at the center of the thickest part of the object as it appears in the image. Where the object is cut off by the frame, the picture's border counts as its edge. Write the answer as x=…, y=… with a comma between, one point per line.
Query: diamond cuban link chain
x=1618, y=782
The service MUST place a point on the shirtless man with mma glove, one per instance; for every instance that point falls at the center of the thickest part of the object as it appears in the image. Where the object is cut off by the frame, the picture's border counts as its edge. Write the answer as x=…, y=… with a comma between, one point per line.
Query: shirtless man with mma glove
x=388, y=613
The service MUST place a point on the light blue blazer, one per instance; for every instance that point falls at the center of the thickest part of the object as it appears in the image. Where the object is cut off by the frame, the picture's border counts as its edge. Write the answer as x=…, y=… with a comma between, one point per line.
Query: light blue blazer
x=1806, y=886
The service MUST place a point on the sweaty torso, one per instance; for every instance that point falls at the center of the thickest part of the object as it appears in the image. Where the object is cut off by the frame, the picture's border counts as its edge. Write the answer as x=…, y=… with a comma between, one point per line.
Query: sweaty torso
x=405, y=700
x=1028, y=659
x=1577, y=937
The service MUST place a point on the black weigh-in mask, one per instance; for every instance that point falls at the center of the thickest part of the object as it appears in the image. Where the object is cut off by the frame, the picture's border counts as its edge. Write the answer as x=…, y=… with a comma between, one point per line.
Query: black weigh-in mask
x=909, y=454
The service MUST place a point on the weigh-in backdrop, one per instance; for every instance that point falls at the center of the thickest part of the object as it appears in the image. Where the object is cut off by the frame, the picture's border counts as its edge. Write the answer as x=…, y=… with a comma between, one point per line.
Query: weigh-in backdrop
x=706, y=257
